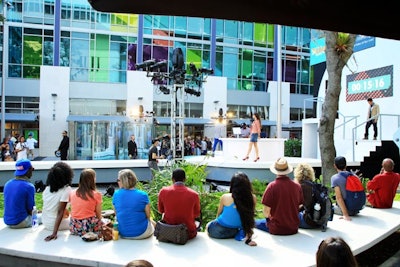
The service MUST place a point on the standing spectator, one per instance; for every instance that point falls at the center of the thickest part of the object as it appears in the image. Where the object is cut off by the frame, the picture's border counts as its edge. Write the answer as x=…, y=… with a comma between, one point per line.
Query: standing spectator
x=209, y=144
x=236, y=211
x=19, y=196
x=281, y=199
x=153, y=157
x=21, y=148
x=255, y=133
x=132, y=208
x=55, y=215
x=333, y=252
x=179, y=204
x=132, y=148
x=382, y=188
x=64, y=146
x=85, y=205
x=31, y=142
x=304, y=174
x=11, y=143
x=5, y=148
x=204, y=146
x=373, y=115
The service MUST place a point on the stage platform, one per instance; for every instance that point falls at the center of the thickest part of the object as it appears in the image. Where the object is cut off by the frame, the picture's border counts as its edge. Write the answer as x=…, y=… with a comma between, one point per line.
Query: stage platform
x=219, y=168
x=26, y=248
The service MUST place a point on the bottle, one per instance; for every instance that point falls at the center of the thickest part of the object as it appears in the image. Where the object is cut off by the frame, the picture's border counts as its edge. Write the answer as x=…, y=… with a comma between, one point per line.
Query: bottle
x=115, y=231
x=317, y=208
x=35, y=223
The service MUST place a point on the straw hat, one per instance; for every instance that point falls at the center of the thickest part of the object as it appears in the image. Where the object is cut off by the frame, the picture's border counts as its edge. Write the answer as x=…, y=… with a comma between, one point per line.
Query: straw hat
x=281, y=167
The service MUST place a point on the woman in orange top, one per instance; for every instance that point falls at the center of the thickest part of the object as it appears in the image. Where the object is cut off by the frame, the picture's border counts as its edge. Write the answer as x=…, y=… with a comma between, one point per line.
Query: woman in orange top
x=85, y=205
x=255, y=132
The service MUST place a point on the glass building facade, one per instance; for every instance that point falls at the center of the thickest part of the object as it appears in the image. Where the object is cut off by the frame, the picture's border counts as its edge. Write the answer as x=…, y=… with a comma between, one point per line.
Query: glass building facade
x=102, y=47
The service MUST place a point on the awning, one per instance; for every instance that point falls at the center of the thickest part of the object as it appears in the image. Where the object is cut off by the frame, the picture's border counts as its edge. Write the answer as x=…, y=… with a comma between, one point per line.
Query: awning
x=187, y=121
x=82, y=118
x=20, y=117
x=293, y=124
x=247, y=121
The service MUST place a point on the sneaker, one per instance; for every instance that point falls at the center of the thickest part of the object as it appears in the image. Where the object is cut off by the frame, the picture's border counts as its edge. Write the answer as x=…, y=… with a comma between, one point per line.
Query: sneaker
x=365, y=138
x=374, y=138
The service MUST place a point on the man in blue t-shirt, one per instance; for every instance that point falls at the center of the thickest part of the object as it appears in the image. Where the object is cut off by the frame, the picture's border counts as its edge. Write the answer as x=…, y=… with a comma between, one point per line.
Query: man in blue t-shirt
x=19, y=196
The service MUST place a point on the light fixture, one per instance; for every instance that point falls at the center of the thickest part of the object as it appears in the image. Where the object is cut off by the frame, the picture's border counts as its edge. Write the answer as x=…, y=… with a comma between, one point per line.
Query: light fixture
x=146, y=64
x=191, y=91
x=158, y=65
x=216, y=101
x=140, y=98
x=164, y=89
x=54, y=95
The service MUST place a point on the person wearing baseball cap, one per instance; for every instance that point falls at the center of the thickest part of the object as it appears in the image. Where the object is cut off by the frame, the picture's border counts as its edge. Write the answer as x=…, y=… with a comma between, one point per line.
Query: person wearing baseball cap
x=19, y=196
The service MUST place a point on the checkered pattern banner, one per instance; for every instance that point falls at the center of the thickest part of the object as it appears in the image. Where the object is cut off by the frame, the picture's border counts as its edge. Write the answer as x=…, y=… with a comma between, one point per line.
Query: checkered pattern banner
x=376, y=83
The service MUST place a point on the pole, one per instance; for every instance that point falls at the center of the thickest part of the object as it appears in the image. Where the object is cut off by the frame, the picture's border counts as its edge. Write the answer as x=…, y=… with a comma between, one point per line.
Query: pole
x=4, y=70
x=279, y=80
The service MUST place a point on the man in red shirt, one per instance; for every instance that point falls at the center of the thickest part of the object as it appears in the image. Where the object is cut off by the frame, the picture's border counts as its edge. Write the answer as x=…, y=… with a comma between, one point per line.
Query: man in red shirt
x=179, y=203
x=281, y=199
x=382, y=188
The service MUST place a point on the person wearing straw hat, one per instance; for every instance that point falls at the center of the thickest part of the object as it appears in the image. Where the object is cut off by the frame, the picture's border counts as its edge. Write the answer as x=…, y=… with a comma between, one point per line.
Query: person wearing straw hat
x=281, y=199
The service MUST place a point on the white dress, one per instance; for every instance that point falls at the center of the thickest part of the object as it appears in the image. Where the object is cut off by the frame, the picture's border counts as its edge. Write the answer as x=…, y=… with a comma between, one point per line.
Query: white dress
x=50, y=207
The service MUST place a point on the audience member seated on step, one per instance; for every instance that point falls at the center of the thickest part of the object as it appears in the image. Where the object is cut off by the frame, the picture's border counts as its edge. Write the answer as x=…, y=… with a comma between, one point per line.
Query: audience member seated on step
x=132, y=208
x=179, y=204
x=85, y=205
x=303, y=174
x=236, y=212
x=55, y=214
x=333, y=252
x=19, y=196
x=383, y=187
x=338, y=183
x=139, y=263
x=281, y=199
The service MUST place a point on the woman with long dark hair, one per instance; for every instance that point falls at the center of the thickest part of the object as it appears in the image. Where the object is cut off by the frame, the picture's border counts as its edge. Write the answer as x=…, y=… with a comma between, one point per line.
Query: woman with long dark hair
x=236, y=212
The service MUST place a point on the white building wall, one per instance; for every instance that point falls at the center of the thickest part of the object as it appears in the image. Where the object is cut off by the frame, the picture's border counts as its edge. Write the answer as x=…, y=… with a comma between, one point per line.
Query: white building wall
x=54, y=110
x=284, y=108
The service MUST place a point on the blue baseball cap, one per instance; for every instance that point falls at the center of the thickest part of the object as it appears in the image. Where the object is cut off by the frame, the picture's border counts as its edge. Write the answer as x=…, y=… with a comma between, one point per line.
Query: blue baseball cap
x=22, y=166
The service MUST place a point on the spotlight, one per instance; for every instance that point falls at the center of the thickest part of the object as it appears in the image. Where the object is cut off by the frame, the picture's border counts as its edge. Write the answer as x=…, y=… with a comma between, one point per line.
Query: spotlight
x=191, y=91
x=146, y=64
x=193, y=70
x=164, y=90
x=206, y=71
x=158, y=65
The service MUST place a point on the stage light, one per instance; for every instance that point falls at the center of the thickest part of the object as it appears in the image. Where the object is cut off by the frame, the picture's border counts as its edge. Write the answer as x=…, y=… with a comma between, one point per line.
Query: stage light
x=206, y=71
x=191, y=91
x=158, y=65
x=164, y=90
x=193, y=70
x=146, y=64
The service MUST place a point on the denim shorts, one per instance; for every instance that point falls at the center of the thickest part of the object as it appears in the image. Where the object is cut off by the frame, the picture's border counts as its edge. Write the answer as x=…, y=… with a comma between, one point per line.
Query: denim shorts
x=216, y=230
x=254, y=137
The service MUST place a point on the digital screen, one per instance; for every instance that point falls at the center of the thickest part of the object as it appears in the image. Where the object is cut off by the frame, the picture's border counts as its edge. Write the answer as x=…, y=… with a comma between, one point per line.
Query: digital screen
x=376, y=83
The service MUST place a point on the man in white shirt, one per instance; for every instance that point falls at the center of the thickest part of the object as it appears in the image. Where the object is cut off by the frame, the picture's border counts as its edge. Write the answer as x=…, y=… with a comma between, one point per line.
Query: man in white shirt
x=31, y=142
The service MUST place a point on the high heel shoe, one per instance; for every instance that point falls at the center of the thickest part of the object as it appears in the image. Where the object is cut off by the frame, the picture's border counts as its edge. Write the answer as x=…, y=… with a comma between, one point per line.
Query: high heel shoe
x=256, y=159
x=246, y=158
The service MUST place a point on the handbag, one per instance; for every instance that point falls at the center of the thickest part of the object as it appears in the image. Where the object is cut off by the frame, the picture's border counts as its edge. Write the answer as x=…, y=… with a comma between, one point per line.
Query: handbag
x=106, y=233
x=177, y=234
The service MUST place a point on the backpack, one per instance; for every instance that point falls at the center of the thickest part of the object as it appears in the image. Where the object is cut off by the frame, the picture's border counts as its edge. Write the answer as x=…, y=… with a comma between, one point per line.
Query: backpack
x=355, y=194
x=321, y=199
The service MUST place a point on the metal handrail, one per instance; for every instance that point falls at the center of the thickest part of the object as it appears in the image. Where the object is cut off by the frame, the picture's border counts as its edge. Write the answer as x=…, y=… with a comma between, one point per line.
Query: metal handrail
x=380, y=127
x=345, y=122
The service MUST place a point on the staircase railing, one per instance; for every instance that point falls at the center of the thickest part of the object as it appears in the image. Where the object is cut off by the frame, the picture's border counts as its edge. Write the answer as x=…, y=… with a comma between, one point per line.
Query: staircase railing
x=354, y=130
x=345, y=121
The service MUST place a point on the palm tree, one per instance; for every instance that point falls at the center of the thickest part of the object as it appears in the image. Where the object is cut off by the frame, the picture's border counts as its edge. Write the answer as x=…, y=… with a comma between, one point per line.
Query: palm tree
x=339, y=49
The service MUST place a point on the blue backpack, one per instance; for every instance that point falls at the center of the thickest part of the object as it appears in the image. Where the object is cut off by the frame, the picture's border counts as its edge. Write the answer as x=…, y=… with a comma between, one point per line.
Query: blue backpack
x=355, y=194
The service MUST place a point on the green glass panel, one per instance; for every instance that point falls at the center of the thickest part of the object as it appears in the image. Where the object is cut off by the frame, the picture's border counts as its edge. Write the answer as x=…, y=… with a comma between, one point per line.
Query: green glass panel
x=260, y=32
x=194, y=56
x=32, y=50
x=31, y=72
x=99, y=58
